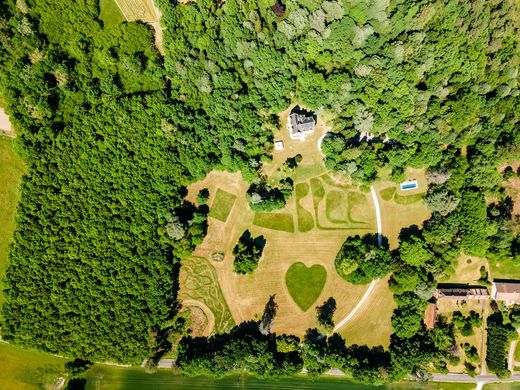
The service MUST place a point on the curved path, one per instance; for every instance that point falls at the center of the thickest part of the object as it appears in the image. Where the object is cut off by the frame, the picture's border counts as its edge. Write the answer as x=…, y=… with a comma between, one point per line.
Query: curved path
x=374, y=282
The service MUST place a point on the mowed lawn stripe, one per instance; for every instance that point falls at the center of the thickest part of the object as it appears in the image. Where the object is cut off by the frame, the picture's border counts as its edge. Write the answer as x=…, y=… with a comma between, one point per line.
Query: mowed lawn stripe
x=275, y=221
x=222, y=205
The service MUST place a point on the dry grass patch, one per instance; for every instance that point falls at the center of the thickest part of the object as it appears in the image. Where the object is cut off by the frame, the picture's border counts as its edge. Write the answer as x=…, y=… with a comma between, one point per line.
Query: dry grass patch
x=396, y=216
x=5, y=124
x=467, y=270
x=372, y=324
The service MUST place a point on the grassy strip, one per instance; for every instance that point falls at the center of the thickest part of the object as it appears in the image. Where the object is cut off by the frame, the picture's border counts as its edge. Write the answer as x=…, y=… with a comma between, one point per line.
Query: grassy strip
x=11, y=170
x=305, y=219
x=408, y=199
x=222, y=205
x=110, y=13
x=275, y=221
x=305, y=284
x=335, y=209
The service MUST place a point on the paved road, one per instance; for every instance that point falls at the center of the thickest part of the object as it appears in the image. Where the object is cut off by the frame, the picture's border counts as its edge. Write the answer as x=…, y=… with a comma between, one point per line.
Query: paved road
x=511, y=357
x=464, y=378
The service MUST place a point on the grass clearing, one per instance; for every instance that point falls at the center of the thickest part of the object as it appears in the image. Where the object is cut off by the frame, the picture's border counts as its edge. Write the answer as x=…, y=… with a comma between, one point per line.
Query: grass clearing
x=397, y=216
x=372, y=325
x=505, y=269
x=275, y=221
x=133, y=10
x=387, y=193
x=11, y=171
x=23, y=369
x=110, y=13
x=199, y=283
x=305, y=218
x=408, y=199
x=305, y=284
x=222, y=205
x=335, y=210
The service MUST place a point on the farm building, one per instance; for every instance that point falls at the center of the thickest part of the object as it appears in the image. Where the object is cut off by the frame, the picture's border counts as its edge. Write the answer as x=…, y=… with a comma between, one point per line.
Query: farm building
x=300, y=123
x=507, y=291
x=461, y=293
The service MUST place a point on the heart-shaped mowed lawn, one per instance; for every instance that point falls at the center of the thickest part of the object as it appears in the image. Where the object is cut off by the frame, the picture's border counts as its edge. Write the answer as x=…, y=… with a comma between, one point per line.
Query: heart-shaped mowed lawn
x=305, y=283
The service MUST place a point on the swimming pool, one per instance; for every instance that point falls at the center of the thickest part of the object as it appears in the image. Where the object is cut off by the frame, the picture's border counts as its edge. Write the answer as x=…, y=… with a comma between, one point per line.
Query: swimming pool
x=409, y=185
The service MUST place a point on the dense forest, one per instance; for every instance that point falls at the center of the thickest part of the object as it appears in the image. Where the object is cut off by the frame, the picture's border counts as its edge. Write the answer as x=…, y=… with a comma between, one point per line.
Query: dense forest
x=112, y=133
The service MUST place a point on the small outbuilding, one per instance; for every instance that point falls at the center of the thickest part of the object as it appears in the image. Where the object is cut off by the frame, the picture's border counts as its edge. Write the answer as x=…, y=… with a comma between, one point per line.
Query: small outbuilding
x=278, y=145
x=506, y=291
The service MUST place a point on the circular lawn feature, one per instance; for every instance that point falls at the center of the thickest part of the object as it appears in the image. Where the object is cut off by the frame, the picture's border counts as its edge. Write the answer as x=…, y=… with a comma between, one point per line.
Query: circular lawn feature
x=305, y=284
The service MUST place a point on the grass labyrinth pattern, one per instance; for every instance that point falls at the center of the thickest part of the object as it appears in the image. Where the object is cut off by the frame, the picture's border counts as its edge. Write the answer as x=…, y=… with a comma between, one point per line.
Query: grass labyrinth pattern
x=201, y=284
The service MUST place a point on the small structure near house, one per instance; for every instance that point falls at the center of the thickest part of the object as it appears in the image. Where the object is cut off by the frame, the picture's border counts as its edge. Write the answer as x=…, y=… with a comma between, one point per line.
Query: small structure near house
x=506, y=291
x=409, y=185
x=278, y=145
x=300, y=123
x=430, y=316
x=461, y=292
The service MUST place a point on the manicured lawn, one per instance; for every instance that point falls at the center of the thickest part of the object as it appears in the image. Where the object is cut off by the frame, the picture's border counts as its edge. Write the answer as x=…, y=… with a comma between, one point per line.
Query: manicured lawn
x=22, y=369
x=275, y=221
x=505, y=269
x=305, y=283
x=387, y=193
x=11, y=170
x=305, y=218
x=109, y=13
x=222, y=205
x=336, y=209
x=408, y=199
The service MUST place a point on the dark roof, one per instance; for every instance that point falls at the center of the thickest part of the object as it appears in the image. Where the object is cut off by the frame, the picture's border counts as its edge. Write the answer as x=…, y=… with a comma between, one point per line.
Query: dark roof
x=301, y=123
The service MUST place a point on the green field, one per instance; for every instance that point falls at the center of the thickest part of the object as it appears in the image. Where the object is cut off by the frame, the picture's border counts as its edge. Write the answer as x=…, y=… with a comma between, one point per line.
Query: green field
x=109, y=13
x=408, y=199
x=102, y=377
x=11, y=170
x=305, y=284
x=22, y=369
x=200, y=283
x=222, y=205
x=275, y=221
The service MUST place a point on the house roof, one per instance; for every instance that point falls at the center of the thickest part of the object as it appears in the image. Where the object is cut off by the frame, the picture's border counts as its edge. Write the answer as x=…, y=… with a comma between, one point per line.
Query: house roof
x=463, y=292
x=301, y=123
x=507, y=291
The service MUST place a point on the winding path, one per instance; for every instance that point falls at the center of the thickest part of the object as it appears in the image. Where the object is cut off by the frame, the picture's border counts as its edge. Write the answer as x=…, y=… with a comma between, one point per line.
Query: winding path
x=372, y=285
